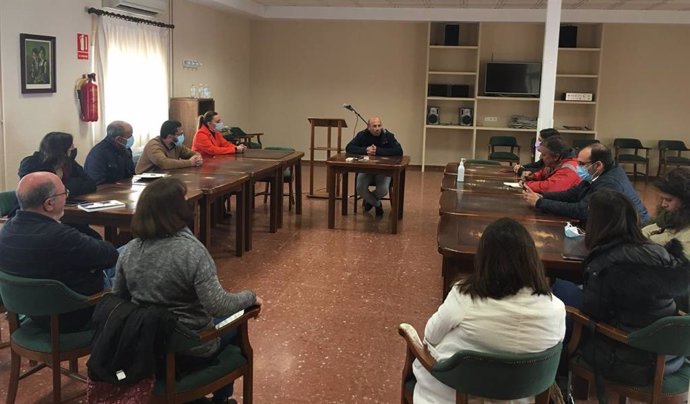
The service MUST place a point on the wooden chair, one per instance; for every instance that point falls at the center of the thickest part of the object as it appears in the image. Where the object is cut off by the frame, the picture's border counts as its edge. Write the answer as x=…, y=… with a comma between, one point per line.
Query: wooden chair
x=43, y=297
x=236, y=135
x=579, y=144
x=665, y=157
x=490, y=376
x=667, y=336
x=232, y=363
x=504, y=141
x=288, y=178
x=634, y=159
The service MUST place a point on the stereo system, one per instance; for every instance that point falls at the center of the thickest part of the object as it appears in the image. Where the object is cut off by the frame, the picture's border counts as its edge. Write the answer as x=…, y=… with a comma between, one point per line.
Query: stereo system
x=465, y=116
x=448, y=90
x=577, y=97
x=432, y=116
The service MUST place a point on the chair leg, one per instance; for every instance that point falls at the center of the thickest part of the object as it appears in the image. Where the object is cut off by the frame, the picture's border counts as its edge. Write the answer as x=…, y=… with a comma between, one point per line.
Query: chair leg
x=543, y=397
x=622, y=399
x=266, y=191
x=634, y=172
x=74, y=365
x=57, y=387
x=15, y=364
x=291, y=196
x=646, y=172
x=248, y=386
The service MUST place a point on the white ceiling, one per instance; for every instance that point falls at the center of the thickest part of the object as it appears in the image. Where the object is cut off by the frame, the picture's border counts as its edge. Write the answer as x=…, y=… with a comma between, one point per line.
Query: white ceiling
x=584, y=11
x=666, y=5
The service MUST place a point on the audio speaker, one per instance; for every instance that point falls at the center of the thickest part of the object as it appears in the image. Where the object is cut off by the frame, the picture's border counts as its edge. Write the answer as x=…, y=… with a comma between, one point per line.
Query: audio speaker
x=567, y=38
x=460, y=90
x=432, y=117
x=452, y=37
x=465, y=118
x=437, y=90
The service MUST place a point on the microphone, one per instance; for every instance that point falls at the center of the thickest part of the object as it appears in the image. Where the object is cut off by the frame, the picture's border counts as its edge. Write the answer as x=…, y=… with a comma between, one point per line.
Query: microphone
x=348, y=107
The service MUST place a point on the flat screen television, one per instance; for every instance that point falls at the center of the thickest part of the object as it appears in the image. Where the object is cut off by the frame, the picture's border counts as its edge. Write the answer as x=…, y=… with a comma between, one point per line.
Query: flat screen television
x=513, y=79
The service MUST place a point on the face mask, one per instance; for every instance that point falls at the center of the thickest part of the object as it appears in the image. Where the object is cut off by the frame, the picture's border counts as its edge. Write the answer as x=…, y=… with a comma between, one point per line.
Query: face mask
x=219, y=126
x=573, y=231
x=180, y=140
x=584, y=174
x=130, y=142
x=73, y=154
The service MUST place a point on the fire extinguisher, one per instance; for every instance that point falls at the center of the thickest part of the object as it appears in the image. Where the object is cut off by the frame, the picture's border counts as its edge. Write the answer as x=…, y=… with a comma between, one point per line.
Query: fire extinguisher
x=88, y=97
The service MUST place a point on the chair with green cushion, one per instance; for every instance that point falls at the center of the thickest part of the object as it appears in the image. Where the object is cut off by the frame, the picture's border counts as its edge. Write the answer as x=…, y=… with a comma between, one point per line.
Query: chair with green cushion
x=666, y=336
x=288, y=178
x=634, y=159
x=666, y=147
x=43, y=297
x=8, y=202
x=504, y=141
x=233, y=362
x=470, y=162
x=579, y=144
x=486, y=375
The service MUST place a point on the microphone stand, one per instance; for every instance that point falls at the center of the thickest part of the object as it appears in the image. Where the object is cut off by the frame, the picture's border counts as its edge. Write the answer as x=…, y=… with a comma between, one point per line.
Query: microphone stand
x=358, y=115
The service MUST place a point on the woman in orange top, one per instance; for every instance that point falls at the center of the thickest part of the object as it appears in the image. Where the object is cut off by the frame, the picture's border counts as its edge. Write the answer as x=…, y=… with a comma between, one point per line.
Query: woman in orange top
x=208, y=141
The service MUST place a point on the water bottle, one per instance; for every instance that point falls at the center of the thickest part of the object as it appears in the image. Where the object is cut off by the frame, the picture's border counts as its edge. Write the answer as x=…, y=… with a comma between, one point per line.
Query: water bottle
x=201, y=90
x=193, y=91
x=461, y=171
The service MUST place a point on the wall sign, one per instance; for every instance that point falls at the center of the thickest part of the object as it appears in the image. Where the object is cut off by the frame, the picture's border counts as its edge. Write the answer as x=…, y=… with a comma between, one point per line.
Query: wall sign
x=82, y=46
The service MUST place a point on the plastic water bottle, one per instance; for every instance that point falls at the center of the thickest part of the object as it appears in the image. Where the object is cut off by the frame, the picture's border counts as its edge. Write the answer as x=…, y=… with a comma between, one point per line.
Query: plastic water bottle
x=193, y=91
x=461, y=171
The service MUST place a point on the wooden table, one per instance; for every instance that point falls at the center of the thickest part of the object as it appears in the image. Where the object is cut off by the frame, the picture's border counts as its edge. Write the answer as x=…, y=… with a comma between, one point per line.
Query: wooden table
x=121, y=218
x=465, y=213
x=393, y=167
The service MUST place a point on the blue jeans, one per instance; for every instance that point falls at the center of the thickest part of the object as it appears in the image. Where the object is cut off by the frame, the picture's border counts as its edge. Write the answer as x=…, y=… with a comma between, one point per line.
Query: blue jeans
x=109, y=278
x=571, y=295
x=382, y=183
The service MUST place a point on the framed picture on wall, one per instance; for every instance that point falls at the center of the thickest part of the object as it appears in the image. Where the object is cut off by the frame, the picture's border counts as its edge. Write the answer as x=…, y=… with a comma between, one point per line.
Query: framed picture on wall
x=37, y=63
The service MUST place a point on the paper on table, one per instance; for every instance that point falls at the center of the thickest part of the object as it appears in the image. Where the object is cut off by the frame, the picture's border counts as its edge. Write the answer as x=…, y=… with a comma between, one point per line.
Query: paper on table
x=512, y=184
x=102, y=205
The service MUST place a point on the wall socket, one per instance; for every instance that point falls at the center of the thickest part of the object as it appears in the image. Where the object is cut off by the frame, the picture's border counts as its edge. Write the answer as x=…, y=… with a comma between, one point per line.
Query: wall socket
x=490, y=119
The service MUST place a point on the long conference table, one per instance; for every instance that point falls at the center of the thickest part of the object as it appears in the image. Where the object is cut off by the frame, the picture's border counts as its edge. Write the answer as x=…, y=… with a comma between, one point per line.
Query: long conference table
x=466, y=208
x=207, y=186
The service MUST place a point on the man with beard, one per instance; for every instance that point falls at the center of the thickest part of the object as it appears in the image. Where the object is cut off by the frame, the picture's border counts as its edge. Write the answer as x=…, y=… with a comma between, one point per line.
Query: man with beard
x=673, y=213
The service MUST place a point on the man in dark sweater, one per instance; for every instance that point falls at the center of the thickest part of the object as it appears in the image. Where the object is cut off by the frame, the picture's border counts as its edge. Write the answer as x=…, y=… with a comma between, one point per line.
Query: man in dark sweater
x=111, y=159
x=374, y=141
x=598, y=171
x=34, y=244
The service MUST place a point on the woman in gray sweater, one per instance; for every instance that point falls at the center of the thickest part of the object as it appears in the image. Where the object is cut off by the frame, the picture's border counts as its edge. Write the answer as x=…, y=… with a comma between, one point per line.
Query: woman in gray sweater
x=166, y=266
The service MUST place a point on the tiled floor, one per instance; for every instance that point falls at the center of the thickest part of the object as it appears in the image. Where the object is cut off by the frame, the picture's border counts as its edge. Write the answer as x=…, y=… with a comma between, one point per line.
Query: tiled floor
x=333, y=299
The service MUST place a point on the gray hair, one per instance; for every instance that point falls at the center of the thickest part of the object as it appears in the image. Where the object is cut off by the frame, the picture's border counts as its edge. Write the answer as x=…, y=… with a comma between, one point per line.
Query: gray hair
x=35, y=196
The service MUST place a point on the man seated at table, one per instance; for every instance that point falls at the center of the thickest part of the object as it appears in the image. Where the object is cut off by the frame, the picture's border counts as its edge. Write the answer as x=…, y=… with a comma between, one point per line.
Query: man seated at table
x=34, y=244
x=597, y=170
x=560, y=168
x=111, y=159
x=539, y=164
x=374, y=141
x=168, y=151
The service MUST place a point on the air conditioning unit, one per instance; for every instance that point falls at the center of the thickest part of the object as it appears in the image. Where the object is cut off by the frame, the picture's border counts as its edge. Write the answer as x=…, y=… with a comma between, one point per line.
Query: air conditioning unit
x=142, y=7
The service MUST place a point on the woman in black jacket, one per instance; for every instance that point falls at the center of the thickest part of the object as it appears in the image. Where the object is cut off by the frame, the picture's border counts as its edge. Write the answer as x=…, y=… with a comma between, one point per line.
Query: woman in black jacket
x=629, y=282
x=57, y=154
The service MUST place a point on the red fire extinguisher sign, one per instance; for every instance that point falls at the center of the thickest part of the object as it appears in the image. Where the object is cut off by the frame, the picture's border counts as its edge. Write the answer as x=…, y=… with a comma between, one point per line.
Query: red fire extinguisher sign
x=82, y=46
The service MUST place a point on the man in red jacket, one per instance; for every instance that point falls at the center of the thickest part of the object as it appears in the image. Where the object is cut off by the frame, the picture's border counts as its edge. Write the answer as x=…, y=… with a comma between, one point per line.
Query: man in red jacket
x=560, y=168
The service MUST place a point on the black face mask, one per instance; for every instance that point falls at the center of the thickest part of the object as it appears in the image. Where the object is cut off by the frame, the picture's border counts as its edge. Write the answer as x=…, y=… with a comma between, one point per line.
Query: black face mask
x=73, y=154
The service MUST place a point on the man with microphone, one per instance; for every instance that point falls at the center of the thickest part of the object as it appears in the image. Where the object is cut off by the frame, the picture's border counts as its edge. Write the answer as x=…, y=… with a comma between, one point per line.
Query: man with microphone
x=374, y=141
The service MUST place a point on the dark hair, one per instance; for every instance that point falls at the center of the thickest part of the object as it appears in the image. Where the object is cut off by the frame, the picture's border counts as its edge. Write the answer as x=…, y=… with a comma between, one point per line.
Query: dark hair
x=603, y=154
x=612, y=217
x=677, y=183
x=115, y=129
x=161, y=210
x=54, y=147
x=34, y=197
x=206, y=118
x=506, y=261
x=557, y=146
x=169, y=127
x=548, y=132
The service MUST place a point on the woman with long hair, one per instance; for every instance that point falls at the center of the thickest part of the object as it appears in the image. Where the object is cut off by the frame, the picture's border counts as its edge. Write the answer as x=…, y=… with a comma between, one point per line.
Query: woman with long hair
x=166, y=266
x=504, y=306
x=628, y=282
x=208, y=140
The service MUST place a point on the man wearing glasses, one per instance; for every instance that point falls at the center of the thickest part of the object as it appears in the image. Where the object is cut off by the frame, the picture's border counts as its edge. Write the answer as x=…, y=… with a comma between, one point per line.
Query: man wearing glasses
x=167, y=151
x=598, y=171
x=34, y=244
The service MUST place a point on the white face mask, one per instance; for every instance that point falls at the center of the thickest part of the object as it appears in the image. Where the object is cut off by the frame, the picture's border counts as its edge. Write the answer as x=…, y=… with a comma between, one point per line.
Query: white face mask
x=219, y=126
x=573, y=231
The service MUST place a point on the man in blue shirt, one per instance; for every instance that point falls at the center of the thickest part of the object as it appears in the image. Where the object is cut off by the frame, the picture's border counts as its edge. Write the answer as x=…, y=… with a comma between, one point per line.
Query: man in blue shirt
x=374, y=141
x=111, y=159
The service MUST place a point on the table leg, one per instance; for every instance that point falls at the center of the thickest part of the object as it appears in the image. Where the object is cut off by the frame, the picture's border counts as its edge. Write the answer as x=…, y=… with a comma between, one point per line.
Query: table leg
x=249, y=208
x=240, y=220
x=281, y=195
x=401, y=205
x=343, y=195
x=330, y=184
x=206, y=214
x=395, y=201
x=277, y=190
x=298, y=186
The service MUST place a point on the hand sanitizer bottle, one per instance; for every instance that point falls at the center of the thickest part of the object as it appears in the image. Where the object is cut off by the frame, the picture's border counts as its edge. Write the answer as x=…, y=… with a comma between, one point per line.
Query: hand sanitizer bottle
x=461, y=171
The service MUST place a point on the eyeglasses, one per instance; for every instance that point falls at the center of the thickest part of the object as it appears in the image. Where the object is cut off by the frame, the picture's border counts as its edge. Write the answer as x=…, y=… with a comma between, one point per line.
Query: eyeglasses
x=66, y=193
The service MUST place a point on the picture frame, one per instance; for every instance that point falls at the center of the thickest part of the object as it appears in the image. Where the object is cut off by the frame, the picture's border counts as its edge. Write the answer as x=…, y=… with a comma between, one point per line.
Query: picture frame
x=37, y=56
